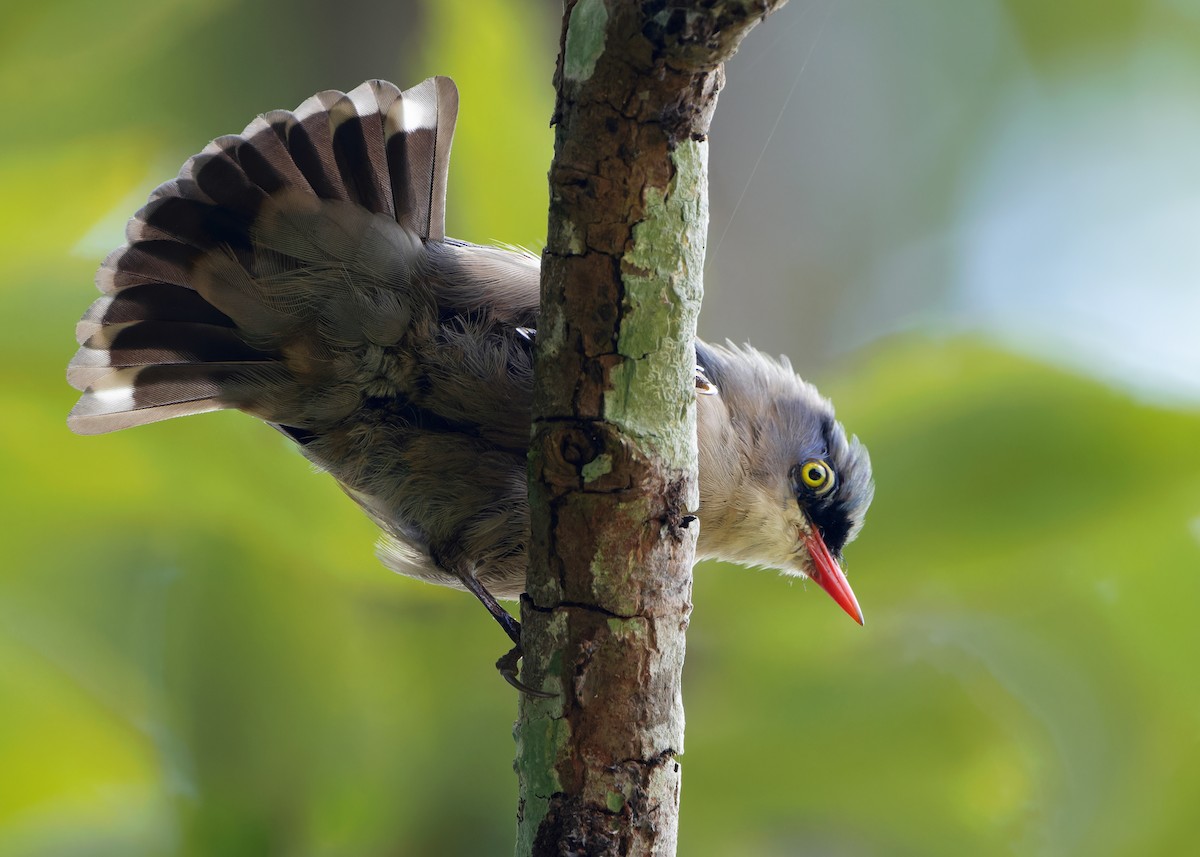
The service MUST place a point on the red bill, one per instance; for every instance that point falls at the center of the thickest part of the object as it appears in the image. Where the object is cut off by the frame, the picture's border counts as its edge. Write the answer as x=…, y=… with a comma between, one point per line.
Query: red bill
x=827, y=575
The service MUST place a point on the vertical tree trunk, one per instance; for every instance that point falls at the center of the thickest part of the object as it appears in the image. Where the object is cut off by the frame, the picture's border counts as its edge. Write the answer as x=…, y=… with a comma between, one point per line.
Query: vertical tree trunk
x=613, y=457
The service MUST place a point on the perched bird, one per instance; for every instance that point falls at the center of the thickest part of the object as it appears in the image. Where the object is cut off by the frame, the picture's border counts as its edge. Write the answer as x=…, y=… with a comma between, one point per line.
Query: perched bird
x=300, y=272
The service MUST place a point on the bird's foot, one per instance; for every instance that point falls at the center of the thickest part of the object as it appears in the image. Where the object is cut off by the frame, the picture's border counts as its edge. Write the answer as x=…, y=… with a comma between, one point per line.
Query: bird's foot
x=507, y=665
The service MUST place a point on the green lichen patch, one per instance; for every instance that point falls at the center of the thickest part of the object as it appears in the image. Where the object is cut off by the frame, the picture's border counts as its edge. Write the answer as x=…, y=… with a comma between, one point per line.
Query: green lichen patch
x=662, y=286
x=597, y=467
x=615, y=801
x=541, y=743
x=586, y=33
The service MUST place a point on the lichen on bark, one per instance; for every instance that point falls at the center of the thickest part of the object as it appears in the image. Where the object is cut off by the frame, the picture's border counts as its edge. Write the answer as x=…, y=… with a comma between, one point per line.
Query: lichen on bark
x=665, y=259
x=585, y=39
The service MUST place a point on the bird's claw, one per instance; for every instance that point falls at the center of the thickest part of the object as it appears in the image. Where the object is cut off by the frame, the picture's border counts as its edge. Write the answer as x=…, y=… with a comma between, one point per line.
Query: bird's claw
x=507, y=665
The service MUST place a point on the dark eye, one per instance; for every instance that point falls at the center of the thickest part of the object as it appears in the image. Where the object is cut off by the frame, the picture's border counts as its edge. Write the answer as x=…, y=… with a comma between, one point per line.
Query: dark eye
x=816, y=476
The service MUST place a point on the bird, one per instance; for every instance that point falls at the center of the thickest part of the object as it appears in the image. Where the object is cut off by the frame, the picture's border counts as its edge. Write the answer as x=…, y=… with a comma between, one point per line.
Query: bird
x=300, y=272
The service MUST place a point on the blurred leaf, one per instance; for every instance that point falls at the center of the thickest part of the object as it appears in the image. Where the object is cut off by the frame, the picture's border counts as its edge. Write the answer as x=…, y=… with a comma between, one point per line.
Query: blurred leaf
x=56, y=193
x=498, y=190
x=1061, y=31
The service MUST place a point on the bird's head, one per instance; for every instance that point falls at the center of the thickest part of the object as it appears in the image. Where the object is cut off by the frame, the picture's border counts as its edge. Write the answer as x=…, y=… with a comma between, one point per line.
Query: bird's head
x=798, y=489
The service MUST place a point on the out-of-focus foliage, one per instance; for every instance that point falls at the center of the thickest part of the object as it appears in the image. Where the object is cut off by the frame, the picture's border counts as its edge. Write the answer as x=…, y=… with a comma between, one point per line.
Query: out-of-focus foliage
x=199, y=654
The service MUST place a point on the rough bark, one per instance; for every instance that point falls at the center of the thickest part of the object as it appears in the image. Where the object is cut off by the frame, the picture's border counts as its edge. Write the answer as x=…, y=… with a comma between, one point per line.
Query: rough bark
x=613, y=457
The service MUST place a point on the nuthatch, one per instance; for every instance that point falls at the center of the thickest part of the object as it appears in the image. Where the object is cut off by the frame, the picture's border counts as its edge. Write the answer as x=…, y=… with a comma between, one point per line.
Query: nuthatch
x=300, y=272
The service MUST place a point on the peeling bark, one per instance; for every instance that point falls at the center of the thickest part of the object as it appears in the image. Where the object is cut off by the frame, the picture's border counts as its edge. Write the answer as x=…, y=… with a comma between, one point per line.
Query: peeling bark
x=613, y=452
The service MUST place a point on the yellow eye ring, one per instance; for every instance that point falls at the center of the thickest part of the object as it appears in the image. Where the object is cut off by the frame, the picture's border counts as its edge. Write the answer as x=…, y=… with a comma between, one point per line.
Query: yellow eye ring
x=816, y=476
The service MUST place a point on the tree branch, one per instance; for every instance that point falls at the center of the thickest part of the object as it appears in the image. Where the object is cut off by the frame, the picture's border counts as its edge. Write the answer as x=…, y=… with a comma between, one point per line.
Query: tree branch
x=613, y=455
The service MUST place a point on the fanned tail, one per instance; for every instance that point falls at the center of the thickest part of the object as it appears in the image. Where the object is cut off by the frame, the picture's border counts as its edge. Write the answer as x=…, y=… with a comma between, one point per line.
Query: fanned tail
x=307, y=220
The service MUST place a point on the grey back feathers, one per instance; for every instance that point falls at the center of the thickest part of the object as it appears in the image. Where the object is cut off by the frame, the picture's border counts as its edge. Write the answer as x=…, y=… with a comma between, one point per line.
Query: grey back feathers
x=299, y=272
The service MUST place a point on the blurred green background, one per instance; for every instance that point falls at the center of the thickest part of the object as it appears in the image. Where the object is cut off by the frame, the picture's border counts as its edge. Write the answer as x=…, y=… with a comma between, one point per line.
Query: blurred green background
x=973, y=224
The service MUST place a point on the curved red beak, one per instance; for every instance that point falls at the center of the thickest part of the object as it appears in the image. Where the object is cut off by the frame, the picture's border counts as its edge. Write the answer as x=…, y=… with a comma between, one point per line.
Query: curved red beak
x=827, y=575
